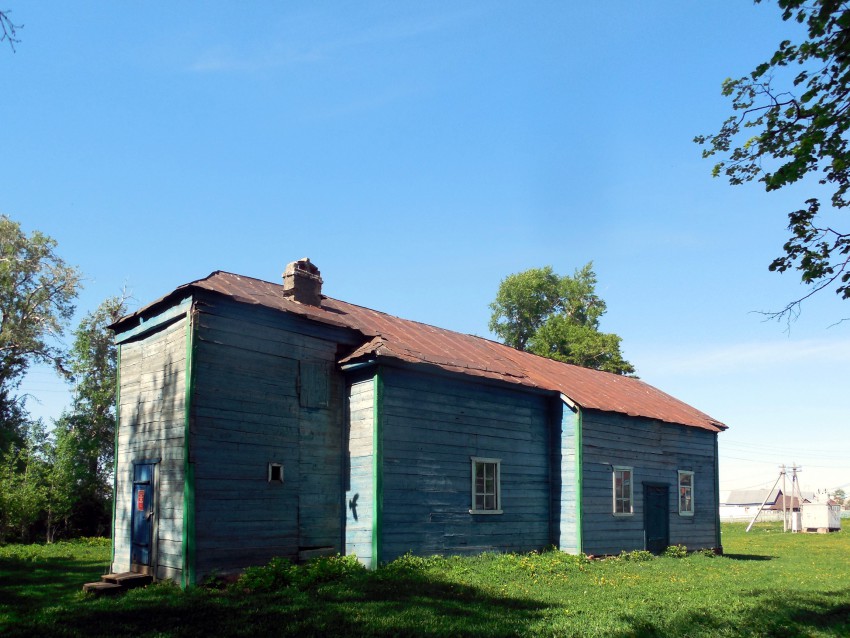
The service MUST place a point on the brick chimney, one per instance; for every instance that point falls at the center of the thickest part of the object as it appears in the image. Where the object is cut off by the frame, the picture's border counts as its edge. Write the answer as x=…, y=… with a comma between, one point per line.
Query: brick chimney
x=302, y=282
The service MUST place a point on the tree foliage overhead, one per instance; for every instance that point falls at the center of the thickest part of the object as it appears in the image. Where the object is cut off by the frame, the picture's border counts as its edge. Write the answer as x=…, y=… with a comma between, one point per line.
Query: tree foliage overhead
x=778, y=134
x=37, y=290
x=557, y=317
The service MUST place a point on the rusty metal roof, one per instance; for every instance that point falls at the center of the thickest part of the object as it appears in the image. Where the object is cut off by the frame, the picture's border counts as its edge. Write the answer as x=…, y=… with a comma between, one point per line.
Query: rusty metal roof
x=414, y=342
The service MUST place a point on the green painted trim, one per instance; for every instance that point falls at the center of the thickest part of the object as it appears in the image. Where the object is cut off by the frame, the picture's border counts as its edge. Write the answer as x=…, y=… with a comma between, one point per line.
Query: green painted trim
x=172, y=314
x=115, y=450
x=717, y=494
x=579, y=469
x=377, y=467
x=187, y=576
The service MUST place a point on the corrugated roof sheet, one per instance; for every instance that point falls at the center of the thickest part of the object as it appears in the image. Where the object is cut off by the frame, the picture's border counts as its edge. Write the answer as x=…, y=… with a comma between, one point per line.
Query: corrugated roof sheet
x=413, y=342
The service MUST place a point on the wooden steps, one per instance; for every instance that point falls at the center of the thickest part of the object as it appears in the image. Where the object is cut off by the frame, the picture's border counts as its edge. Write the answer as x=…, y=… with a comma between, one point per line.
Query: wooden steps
x=116, y=583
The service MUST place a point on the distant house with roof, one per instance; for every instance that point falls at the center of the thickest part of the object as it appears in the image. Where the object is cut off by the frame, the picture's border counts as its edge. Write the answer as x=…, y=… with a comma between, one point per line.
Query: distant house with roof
x=743, y=504
x=258, y=420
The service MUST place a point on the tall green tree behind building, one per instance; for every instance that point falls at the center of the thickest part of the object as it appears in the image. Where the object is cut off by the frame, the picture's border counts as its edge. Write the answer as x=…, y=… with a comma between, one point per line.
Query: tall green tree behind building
x=557, y=317
x=84, y=436
x=93, y=363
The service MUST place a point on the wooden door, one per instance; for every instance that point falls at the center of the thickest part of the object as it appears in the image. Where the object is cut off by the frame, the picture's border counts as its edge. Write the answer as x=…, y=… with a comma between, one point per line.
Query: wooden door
x=656, y=517
x=141, y=548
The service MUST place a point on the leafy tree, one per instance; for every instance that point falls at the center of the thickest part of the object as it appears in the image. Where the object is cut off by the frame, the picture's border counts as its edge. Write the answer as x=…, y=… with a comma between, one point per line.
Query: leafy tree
x=37, y=289
x=557, y=317
x=77, y=490
x=23, y=495
x=60, y=484
x=13, y=420
x=94, y=368
x=561, y=339
x=839, y=496
x=80, y=488
x=524, y=301
x=778, y=134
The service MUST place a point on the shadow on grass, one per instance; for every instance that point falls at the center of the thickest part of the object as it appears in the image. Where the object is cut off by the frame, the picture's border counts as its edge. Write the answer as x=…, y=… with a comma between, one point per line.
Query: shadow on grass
x=768, y=613
x=748, y=557
x=363, y=606
x=28, y=586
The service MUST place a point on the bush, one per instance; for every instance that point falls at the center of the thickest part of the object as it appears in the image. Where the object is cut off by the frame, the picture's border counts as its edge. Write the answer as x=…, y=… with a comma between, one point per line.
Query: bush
x=676, y=551
x=408, y=565
x=279, y=573
x=328, y=569
x=636, y=556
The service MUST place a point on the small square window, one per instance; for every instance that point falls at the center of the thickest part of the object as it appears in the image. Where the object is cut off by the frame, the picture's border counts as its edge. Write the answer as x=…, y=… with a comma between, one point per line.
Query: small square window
x=486, y=488
x=275, y=473
x=623, y=491
x=686, y=493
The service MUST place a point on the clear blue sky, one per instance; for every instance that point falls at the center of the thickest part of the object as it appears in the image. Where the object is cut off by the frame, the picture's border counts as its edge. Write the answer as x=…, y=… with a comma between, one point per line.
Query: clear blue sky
x=420, y=152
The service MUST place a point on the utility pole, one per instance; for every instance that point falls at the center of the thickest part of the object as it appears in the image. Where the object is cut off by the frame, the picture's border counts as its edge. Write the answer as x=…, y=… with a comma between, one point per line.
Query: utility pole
x=795, y=482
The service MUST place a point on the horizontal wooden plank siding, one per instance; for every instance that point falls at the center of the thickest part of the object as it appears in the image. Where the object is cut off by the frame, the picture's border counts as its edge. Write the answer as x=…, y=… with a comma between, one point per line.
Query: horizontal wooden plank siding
x=359, y=481
x=151, y=425
x=249, y=410
x=656, y=451
x=564, y=473
x=433, y=426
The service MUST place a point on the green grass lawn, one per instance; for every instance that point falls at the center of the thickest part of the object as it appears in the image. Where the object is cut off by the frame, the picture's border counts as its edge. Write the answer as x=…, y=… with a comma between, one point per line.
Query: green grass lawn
x=767, y=584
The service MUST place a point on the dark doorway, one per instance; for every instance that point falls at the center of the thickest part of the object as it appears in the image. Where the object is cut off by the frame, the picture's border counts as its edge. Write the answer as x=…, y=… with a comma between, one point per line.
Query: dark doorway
x=141, y=548
x=656, y=517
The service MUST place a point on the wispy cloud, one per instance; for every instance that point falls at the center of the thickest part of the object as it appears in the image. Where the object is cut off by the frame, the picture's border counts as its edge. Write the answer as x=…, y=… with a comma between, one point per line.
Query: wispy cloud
x=291, y=46
x=229, y=59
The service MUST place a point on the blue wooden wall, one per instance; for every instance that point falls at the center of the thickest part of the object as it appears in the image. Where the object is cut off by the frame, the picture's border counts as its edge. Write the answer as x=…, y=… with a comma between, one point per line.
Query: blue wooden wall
x=432, y=426
x=655, y=450
x=359, y=479
x=151, y=425
x=565, y=529
x=251, y=406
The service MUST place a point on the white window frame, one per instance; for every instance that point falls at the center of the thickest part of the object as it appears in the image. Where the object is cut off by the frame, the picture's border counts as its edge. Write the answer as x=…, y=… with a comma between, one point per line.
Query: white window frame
x=475, y=461
x=631, y=498
x=682, y=473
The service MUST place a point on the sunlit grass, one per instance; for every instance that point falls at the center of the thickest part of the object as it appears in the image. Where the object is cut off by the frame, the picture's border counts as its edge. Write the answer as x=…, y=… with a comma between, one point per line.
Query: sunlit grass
x=767, y=584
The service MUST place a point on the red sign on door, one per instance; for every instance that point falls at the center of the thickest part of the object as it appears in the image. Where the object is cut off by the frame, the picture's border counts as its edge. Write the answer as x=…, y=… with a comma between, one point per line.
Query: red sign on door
x=140, y=501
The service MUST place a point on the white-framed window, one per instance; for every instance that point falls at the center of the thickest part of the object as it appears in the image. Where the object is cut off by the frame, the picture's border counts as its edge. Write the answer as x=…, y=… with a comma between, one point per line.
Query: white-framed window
x=686, y=493
x=623, y=491
x=486, y=486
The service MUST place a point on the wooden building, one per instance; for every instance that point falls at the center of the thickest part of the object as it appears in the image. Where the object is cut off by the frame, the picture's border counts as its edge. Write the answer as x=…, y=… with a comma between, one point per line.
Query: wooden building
x=258, y=420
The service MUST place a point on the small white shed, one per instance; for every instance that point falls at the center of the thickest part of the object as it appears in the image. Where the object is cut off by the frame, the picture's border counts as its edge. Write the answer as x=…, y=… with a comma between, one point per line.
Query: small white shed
x=821, y=517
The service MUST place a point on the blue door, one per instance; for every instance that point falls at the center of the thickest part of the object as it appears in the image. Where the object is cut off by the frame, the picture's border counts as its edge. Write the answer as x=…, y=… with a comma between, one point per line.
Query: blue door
x=656, y=517
x=142, y=518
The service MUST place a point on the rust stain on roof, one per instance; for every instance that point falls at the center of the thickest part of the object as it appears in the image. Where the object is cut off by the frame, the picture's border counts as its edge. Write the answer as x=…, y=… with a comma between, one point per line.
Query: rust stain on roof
x=413, y=342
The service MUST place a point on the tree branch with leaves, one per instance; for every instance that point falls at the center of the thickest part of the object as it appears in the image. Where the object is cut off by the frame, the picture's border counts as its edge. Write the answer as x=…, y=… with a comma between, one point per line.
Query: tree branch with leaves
x=779, y=135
